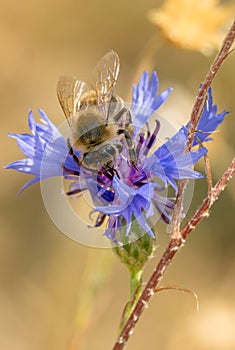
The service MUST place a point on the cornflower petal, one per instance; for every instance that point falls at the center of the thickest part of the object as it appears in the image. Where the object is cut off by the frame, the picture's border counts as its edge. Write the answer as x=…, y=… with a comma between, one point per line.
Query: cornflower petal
x=170, y=163
x=132, y=204
x=208, y=123
x=38, y=149
x=145, y=100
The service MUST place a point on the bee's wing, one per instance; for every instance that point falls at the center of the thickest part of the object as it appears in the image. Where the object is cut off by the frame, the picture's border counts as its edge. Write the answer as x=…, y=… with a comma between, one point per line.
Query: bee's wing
x=104, y=77
x=69, y=92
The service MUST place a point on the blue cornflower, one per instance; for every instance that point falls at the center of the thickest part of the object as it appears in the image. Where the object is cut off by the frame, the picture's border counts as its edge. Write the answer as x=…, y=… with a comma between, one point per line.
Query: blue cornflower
x=124, y=193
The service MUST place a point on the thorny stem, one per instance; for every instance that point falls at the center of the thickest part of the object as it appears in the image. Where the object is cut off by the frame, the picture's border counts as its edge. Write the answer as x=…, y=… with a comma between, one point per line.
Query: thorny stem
x=194, y=119
x=178, y=237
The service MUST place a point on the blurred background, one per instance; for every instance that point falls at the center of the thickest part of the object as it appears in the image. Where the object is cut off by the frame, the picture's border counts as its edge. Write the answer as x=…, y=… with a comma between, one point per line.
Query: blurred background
x=56, y=294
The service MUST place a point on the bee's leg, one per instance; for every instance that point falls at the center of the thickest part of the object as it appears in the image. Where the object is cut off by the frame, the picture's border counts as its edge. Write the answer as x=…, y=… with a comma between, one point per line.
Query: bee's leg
x=128, y=119
x=130, y=146
x=113, y=172
x=71, y=153
x=117, y=117
x=109, y=172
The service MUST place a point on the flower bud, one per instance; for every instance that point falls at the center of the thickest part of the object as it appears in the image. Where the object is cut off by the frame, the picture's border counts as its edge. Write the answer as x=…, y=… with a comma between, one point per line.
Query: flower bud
x=134, y=253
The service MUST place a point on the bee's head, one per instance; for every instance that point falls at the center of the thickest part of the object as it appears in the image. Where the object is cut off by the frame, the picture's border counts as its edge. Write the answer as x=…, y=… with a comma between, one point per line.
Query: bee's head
x=100, y=155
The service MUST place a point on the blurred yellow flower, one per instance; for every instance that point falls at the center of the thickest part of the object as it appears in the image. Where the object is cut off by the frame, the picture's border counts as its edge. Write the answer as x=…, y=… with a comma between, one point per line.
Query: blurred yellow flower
x=193, y=25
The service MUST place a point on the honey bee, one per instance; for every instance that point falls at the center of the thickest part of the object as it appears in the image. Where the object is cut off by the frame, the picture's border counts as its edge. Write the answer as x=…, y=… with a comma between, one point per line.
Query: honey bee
x=96, y=116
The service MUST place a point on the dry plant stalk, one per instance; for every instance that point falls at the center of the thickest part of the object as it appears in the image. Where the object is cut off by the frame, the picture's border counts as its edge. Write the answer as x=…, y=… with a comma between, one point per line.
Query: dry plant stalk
x=179, y=236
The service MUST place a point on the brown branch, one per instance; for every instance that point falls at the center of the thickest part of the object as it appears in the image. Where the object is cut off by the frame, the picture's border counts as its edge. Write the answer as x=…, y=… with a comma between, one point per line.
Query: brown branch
x=194, y=119
x=178, y=238
x=174, y=245
x=202, y=94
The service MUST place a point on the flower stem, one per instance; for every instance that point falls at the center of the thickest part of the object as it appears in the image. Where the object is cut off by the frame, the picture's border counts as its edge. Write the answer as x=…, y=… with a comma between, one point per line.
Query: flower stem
x=135, y=293
x=178, y=237
x=194, y=120
x=173, y=247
